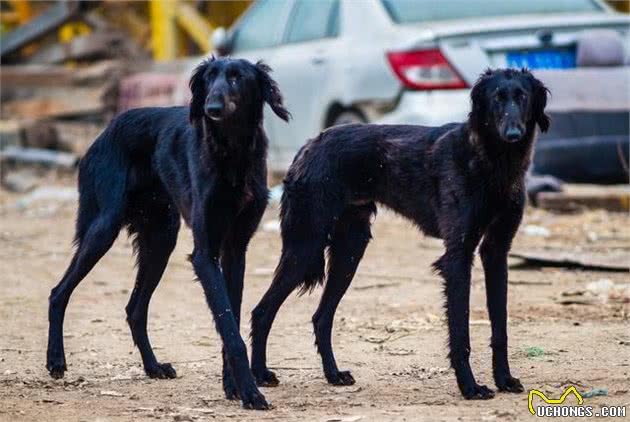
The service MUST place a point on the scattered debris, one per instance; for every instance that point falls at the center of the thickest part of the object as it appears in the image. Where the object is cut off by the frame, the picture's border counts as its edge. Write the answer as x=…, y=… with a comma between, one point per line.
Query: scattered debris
x=51, y=401
x=595, y=392
x=598, y=292
x=344, y=419
x=533, y=230
x=530, y=282
x=401, y=352
x=534, y=351
x=20, y=181
x=48, y=193
x=607, y=291
x=111, y=393
x=271, y=226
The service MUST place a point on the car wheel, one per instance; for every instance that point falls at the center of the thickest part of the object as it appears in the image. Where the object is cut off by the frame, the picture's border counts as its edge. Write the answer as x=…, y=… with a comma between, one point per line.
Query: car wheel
x=348, y=117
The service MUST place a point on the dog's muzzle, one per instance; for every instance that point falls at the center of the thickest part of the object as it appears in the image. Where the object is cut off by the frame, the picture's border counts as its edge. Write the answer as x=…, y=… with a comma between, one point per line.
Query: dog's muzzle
x=214, y=110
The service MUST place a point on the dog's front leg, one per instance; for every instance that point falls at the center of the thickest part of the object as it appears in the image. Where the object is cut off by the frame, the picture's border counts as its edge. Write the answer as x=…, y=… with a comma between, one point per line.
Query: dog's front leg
x=455, y=266
x=494, y=252
x=205, y=259
x=233, y=265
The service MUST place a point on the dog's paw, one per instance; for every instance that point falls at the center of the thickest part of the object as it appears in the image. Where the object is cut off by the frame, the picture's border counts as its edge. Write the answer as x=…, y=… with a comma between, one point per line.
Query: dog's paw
x=253, y=399
x=477, y=392
x=509, y=384
x=229, y=388
x=266, y=378
x=161, y=371
x=341, y=378
x=56, y=369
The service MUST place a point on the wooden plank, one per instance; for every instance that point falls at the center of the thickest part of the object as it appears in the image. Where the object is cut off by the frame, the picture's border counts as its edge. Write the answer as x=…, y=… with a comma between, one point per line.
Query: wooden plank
x=57, y=103
x=45, y=157
x=53, y=75
x=94, y=46
x=611, y=198
x=35, y=75
x=613, y=260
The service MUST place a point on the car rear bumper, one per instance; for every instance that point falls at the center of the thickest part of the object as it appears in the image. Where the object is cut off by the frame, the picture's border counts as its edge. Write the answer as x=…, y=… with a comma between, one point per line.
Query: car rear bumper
x=432, y=108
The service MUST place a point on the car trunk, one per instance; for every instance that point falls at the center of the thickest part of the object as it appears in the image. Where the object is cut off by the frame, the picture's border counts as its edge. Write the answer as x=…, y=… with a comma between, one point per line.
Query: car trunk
x=533, y=41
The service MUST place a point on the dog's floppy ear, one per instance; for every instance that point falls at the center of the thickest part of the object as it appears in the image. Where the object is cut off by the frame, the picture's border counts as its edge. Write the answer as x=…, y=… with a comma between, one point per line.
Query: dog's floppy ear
x=539, y=102
x=477, y=115
x=270, y=91
x=198, y=90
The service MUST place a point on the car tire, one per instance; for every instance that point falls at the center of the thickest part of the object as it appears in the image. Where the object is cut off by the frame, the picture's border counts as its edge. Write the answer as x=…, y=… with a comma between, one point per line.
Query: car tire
x=348, y=117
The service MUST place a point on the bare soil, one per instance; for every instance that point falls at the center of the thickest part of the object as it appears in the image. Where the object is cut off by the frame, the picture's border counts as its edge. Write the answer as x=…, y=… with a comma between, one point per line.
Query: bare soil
x=389, y=330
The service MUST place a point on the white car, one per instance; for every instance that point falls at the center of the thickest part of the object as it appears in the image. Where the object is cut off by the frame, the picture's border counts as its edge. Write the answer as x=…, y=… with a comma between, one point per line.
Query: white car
x=399, y=61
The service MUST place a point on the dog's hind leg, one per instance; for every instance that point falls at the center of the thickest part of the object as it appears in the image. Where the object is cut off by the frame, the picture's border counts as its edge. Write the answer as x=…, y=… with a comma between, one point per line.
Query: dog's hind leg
x=301, y=262
x=289, y=275
x=156, y=235
x=91, y=246
x=349, y=240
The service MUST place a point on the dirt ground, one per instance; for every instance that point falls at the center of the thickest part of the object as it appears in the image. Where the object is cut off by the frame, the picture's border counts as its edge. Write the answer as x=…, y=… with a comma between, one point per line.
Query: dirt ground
x=389, y=329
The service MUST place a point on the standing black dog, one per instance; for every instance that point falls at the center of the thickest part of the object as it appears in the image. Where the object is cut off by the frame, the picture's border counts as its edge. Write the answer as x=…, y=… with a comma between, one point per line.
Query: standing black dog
x=207, y=163
x=459, y=182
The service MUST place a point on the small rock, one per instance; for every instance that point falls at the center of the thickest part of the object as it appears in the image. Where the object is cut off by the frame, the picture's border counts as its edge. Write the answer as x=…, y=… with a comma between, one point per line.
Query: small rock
x=533, y=230
x=20, y=181
x=595, y=392
x=272, y=226
x=111, y=393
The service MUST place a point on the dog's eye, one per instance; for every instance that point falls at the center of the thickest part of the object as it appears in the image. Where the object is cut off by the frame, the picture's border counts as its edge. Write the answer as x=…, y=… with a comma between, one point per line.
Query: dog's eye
x=233, y=80
x=520, y=95
x=211, y=73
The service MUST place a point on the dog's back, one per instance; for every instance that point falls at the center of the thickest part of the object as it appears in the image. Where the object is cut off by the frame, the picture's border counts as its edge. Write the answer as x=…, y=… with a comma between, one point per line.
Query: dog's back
x=120, y=159
x=357, y=164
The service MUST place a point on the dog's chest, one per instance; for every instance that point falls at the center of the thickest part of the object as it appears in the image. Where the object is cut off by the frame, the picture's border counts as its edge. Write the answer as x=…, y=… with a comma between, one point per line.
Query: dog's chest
x=237, y=197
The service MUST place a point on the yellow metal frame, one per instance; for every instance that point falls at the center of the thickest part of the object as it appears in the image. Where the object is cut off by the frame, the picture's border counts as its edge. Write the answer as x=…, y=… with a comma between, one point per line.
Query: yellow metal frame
x=163, y=30
x=166, y=16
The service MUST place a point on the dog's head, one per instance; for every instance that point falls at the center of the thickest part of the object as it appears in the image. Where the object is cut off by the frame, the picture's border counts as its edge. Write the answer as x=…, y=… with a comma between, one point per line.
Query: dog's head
x=508, y=104
x=233, y=90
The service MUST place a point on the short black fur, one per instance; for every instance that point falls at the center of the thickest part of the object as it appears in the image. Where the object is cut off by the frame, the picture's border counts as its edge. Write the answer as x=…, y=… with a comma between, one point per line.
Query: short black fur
x=207, y=163
x=460, y=182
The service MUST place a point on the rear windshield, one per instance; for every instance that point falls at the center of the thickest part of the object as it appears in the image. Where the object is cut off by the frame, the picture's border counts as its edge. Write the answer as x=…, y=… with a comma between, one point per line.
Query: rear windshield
x=409, y=11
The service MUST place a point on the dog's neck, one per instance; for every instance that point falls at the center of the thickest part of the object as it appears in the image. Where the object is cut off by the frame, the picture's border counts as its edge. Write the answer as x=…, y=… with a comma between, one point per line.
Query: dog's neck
x=230, y=146
x=505, y=163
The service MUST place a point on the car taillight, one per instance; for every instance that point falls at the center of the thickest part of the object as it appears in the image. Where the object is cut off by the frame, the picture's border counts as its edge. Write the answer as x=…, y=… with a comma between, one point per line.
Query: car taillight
x=425, y=69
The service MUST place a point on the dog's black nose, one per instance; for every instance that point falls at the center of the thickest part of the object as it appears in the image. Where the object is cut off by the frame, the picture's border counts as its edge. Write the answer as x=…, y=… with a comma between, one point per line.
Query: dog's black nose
x=513, y=134
x=214, y=109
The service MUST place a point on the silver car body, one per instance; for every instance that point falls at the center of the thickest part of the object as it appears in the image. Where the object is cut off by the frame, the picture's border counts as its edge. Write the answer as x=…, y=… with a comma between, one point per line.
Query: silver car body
x=350, y=71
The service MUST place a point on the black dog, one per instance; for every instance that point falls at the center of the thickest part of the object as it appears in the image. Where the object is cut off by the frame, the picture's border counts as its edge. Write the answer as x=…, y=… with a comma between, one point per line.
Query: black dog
x=459, y=182
x=207, y=163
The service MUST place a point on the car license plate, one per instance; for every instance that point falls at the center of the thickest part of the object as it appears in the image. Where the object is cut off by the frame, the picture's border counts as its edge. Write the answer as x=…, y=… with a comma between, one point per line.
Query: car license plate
x=541, y=59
